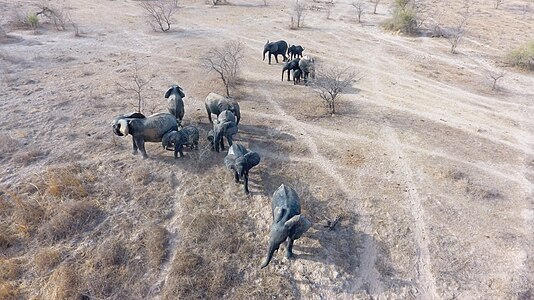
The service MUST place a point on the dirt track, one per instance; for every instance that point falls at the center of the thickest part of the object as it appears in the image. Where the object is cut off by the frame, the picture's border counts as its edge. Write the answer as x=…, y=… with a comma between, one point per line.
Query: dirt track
x=432, y=172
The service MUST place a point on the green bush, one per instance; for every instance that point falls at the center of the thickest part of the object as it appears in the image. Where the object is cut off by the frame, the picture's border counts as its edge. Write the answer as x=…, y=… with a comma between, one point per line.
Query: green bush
x=33, y=21
x=522, y=57
x=404, y=18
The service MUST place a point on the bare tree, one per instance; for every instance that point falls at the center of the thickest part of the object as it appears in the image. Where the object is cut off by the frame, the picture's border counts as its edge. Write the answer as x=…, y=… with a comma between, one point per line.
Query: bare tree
x=497, y=3
x=456, y=33
x=137, y=86
x=56, y=15
x=297, y=17
x=331, y=82
x=160, y=12
x=215, y=2
x=495, y=76
x=375, y=5
x=225, y=61
x=360, y=7
x=75, y=26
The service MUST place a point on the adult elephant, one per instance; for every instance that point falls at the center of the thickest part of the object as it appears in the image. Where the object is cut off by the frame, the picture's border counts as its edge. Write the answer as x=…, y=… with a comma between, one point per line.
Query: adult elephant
x=144, y=129
x=224, y=126
x=215, y=104
x=275, y=48
x=241, y=160
x=307, y=66
x=175, y=104
x=290, y=66
x=288, y=224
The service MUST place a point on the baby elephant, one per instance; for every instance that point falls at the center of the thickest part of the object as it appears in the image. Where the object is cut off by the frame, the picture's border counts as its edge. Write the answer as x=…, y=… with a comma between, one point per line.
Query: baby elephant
x=296, y=76
x=187, y=136
x=241, y=160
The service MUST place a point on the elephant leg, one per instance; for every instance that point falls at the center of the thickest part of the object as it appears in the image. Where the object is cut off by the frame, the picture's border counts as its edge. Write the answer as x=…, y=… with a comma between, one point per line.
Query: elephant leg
x=246, y=183
x=276, y=57
x=269, y=57
x=289, y=248
x=229, y=138
x=141, y=145
x=222, y=144
x=236, y=176
x=134, y=146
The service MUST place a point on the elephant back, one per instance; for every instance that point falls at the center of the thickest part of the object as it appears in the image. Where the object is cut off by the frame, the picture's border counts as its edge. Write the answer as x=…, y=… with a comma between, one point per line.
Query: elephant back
x=226, y=116
x=287, y=198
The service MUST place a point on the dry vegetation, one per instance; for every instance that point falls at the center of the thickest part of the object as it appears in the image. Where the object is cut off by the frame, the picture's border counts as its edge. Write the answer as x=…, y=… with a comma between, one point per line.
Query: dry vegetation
x=419, y=187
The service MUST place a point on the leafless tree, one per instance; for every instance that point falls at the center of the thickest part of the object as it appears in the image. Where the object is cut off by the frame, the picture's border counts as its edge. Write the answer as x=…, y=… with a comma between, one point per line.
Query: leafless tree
x=215, y=2
x=137, y=86
x=297, y=17
x=360, y=7
x=160, y=12
x=495, y=76
x=456, y=33
x=225, y=61
x=497, y=3
x=331, y=82
x=75, y=26
x=56, y=15
x=375, y=5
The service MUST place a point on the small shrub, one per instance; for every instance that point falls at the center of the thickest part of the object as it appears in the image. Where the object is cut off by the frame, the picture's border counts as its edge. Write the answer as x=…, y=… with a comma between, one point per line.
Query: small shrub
x=403, y=20
x=27, y=157
x=33, y=21
x=522, y=57
x=11, y=269
x=62, y=284
x=65, y=182
x=8, y=291
x=46, y=258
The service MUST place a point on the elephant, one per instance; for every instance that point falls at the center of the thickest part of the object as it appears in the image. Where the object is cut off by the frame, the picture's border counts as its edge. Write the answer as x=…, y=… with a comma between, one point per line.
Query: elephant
x=290, y=66
x=225, y=126
x=144, y=129
x=175, y=104
x=307, y=66
x=296, y=76
x=187, y=136
x=241, y=160
x=275, y=48
x=294, y=51
x=288, y=223
x=216, y=103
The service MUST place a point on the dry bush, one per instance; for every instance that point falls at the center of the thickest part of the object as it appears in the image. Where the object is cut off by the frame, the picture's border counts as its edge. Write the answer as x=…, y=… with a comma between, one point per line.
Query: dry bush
x=331, y=82
x=156, y=240
x=523, y=57
x=404, y=17
x=56, y=15
x=25, y=158
x=160, y=12
x=111, y=253
x=225, y=60
x=11, y=269
x=8, y=291
x=26, y=213
x=46, y=258
x=70, y=219
x=66, y=182
x=63, y=283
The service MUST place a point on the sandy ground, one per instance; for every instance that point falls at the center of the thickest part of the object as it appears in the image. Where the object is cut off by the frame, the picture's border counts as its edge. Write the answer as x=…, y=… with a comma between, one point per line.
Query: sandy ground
x=431, y=170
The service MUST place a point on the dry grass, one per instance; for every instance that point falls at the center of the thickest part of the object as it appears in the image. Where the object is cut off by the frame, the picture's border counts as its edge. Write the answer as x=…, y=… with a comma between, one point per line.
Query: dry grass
x=11, y=269
x=156, y=240
x=46, y=258
x=63, y=283
x=8, y=291
x=65, y=182
x=71, y=219
x=8, y=145
x=26, y=158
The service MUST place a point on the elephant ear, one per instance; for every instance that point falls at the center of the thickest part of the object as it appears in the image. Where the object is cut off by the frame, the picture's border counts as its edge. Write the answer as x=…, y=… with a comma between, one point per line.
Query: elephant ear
x=297, y=225
x=168, y=93
x=229, y=160
x=181, y=92
x=252, y=158
x=278, y=213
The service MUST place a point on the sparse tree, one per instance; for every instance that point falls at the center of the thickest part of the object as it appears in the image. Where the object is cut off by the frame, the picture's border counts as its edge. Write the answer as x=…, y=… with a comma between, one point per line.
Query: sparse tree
x=375, y=5
x=225, y=61
x=160, y=12
x=360, y=7
x=55, y=15
x=75, y=26
x=215, y=2
x=457, y=33
x=297, y=16
x=331, y=82
x=137, y=86
x=495, y=76
x=497, y=3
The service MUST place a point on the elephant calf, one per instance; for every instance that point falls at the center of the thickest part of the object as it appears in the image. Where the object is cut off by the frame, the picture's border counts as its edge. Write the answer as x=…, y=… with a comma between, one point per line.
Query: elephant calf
x=187, y=136
x=294, y=51
x=241, y=160
x=144, y=129
x=307, y=66
x=215, y=104
x=288, y=224
x=296, y=76
x=225, y=126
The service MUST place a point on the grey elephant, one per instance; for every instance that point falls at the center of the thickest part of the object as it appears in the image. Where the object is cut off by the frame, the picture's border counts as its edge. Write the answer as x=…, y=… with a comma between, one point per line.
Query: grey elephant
x=187, y=136
x=296, y=76
x=225, y=126
x=294, y=51
x=175, y=103
x=144, y=129
x=288, y=223
x=307, y=66
x=241, y=160
x=290, y=66
x=215, y=104
x=275, y=48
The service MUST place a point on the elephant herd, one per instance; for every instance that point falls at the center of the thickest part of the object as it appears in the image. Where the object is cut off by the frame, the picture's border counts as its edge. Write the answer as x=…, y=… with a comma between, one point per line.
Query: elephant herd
x=288, y=224
x=300, y=66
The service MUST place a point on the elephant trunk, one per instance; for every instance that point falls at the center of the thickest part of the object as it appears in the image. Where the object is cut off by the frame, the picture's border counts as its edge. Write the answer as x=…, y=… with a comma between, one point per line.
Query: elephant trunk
x=270, y=253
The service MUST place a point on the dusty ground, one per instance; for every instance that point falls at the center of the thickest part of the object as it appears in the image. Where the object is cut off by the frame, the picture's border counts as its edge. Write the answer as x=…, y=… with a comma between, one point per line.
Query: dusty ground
x=431, y=171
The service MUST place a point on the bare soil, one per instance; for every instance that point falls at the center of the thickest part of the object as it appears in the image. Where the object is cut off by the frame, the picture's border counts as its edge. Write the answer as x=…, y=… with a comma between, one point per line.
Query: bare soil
x=430, y=171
